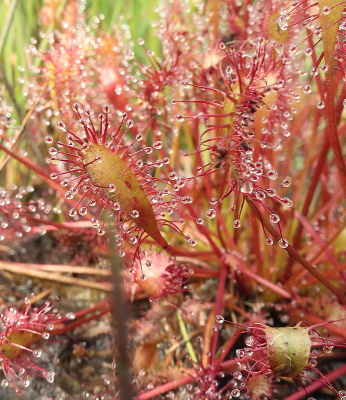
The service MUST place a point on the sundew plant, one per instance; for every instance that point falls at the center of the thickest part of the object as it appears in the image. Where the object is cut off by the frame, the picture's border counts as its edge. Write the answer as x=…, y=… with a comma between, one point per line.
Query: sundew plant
x=173, y=199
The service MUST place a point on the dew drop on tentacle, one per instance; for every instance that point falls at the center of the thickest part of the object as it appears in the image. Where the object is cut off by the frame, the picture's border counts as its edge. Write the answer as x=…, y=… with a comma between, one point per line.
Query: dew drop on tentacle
x=180, y=117
x=111, y=188
x=272, y=174
x=287, y=202
x=220, y=319
x=237, y=223
x=274, y=218
x=211, y=213
x=283, y=243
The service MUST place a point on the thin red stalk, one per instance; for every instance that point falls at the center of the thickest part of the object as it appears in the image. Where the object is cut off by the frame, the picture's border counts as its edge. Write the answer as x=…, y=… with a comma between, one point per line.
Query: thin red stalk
x=277, y=289
x=317, y=239
x=82, y=321
x=317, y=384
x=183, y=253
x=341, y=268
x=182, y=381
x=314, y=181
x=230, y=343
x=256, y=243
x=297, y=256
x=220, y=219
x=35, y=168
x=218, y=307
x=332, y=131
x=313, y=319
x=78, y=314
x=204, y=273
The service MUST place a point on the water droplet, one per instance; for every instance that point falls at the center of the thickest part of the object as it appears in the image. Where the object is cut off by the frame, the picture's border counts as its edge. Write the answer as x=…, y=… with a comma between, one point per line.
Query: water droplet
x=50, y=377
x=72, y=213
x=76, y=107
x=157, y=145
x=134, y=214
x=180, y=117
x=320, y=105
x=235, y=392
x=211, y=213
x=287, y=202
x=324, y=68
x=286, y=182
x=272, y=174
x=100, y=232
x=192, y=242
x=48, y=139
x=260, y=195
x=271, y=192
x=61, y=125
x=83, y=211
x=4, y=383
x=98, y=159
x=199, y=221
x=283, y=243
x=111, y=188
x=269, y=241
x=54, y=160
x=37, y=353
x=220, y=319
x=246, y=187
x=129, y=123
x=282, y=23
x=54, y=175
x=106, y=108
x=45, y=335
x=325, y=10
x=70, y=316
x=307, y=89
x=327, y=349
x=274, y=218
x=237, y=223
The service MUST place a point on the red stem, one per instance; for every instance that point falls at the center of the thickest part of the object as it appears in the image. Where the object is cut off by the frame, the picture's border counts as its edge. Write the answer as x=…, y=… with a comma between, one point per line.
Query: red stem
x=34, y=168
x=218, y=308
x=297, y=256
x=182, y=381
x=332, y=128
x=317, y=384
